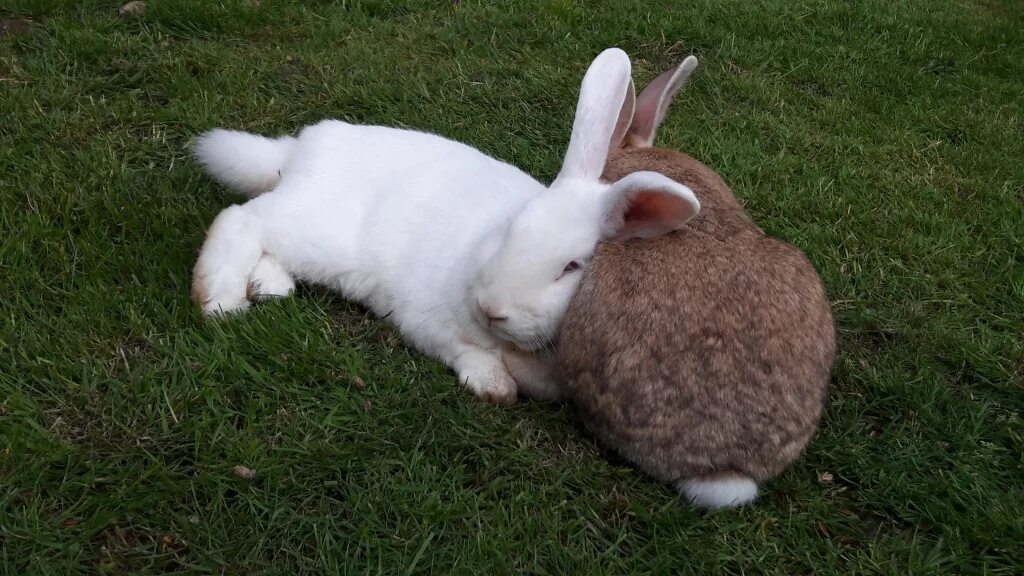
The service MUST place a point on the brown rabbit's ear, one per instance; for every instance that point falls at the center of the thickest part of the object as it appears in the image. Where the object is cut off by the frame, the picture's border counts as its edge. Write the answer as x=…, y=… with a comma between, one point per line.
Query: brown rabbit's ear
x=653, y=103
x=645, y=205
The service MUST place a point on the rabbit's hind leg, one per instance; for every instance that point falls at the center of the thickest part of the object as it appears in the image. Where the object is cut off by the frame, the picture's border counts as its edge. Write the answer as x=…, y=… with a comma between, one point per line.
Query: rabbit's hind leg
x=534, y=374
x=269, y=280
x=233, y=247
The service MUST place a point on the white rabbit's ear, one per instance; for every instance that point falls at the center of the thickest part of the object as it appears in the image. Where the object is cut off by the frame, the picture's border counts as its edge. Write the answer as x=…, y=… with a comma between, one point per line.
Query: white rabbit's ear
x=602, y=96
x=625, y=120
x=654, y=100
x=645, y=205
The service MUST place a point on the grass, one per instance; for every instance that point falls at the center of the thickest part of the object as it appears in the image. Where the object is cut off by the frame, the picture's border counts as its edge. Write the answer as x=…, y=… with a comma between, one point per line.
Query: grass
x=882, y=137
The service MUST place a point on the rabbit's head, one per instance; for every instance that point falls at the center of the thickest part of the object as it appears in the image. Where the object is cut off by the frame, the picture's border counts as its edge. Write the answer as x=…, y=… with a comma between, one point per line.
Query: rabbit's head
x=721, y=214
x=531, y=271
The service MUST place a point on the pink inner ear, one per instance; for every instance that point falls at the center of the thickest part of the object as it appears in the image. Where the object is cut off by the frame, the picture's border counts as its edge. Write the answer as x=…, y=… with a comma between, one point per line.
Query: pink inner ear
x=650, y=111
x=654, y=213
x=648, y=204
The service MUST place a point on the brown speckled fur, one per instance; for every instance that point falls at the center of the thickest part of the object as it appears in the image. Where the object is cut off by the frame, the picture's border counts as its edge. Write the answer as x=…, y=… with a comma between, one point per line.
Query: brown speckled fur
x=705, y=351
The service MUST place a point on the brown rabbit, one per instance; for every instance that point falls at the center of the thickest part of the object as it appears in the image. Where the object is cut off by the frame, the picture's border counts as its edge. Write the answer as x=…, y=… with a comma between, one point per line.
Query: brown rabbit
x=703, y=356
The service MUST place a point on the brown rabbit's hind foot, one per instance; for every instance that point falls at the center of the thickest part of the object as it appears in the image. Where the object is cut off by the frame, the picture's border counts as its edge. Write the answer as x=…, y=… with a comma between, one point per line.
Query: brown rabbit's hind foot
x=717, y=491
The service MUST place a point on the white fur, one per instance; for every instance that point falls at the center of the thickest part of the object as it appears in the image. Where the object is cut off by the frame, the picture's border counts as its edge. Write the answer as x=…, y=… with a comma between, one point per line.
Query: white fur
x=428, y=232
x=716, y=493
x=606, y=87
x=246, y=163
x=270, y=280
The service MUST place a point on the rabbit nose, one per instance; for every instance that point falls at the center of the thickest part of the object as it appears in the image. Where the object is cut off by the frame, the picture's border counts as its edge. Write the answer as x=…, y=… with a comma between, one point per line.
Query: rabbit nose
x=492, y=314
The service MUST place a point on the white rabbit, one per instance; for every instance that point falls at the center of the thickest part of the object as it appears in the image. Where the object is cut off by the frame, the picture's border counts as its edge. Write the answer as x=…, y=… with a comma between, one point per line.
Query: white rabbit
x=466, y=255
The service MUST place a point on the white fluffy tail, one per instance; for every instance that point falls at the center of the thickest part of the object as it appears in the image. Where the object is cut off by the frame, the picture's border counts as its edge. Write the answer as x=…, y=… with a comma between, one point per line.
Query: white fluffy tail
x=722, y=491
x=246, y=163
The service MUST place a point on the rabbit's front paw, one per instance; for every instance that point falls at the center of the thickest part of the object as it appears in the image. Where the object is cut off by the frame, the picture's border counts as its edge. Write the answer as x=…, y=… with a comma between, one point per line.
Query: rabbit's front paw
x=495, y=388
x=485, y=375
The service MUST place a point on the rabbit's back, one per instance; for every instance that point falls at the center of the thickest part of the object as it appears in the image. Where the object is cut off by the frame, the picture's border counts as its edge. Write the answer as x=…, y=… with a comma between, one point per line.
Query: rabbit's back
x=385, y=215
x=703, y=351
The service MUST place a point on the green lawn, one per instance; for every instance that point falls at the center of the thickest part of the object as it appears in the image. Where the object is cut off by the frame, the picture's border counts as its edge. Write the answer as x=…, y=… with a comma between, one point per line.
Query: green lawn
x=885, y=138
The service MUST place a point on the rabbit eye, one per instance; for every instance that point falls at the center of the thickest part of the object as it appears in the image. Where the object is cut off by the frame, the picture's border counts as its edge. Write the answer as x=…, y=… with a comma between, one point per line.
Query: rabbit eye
x=570, y=268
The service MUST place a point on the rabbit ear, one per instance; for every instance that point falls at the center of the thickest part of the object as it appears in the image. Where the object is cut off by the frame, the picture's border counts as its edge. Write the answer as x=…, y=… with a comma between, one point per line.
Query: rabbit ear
x=645, y=205
x=602, y=96
x=625, y=119
x=654, y=101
